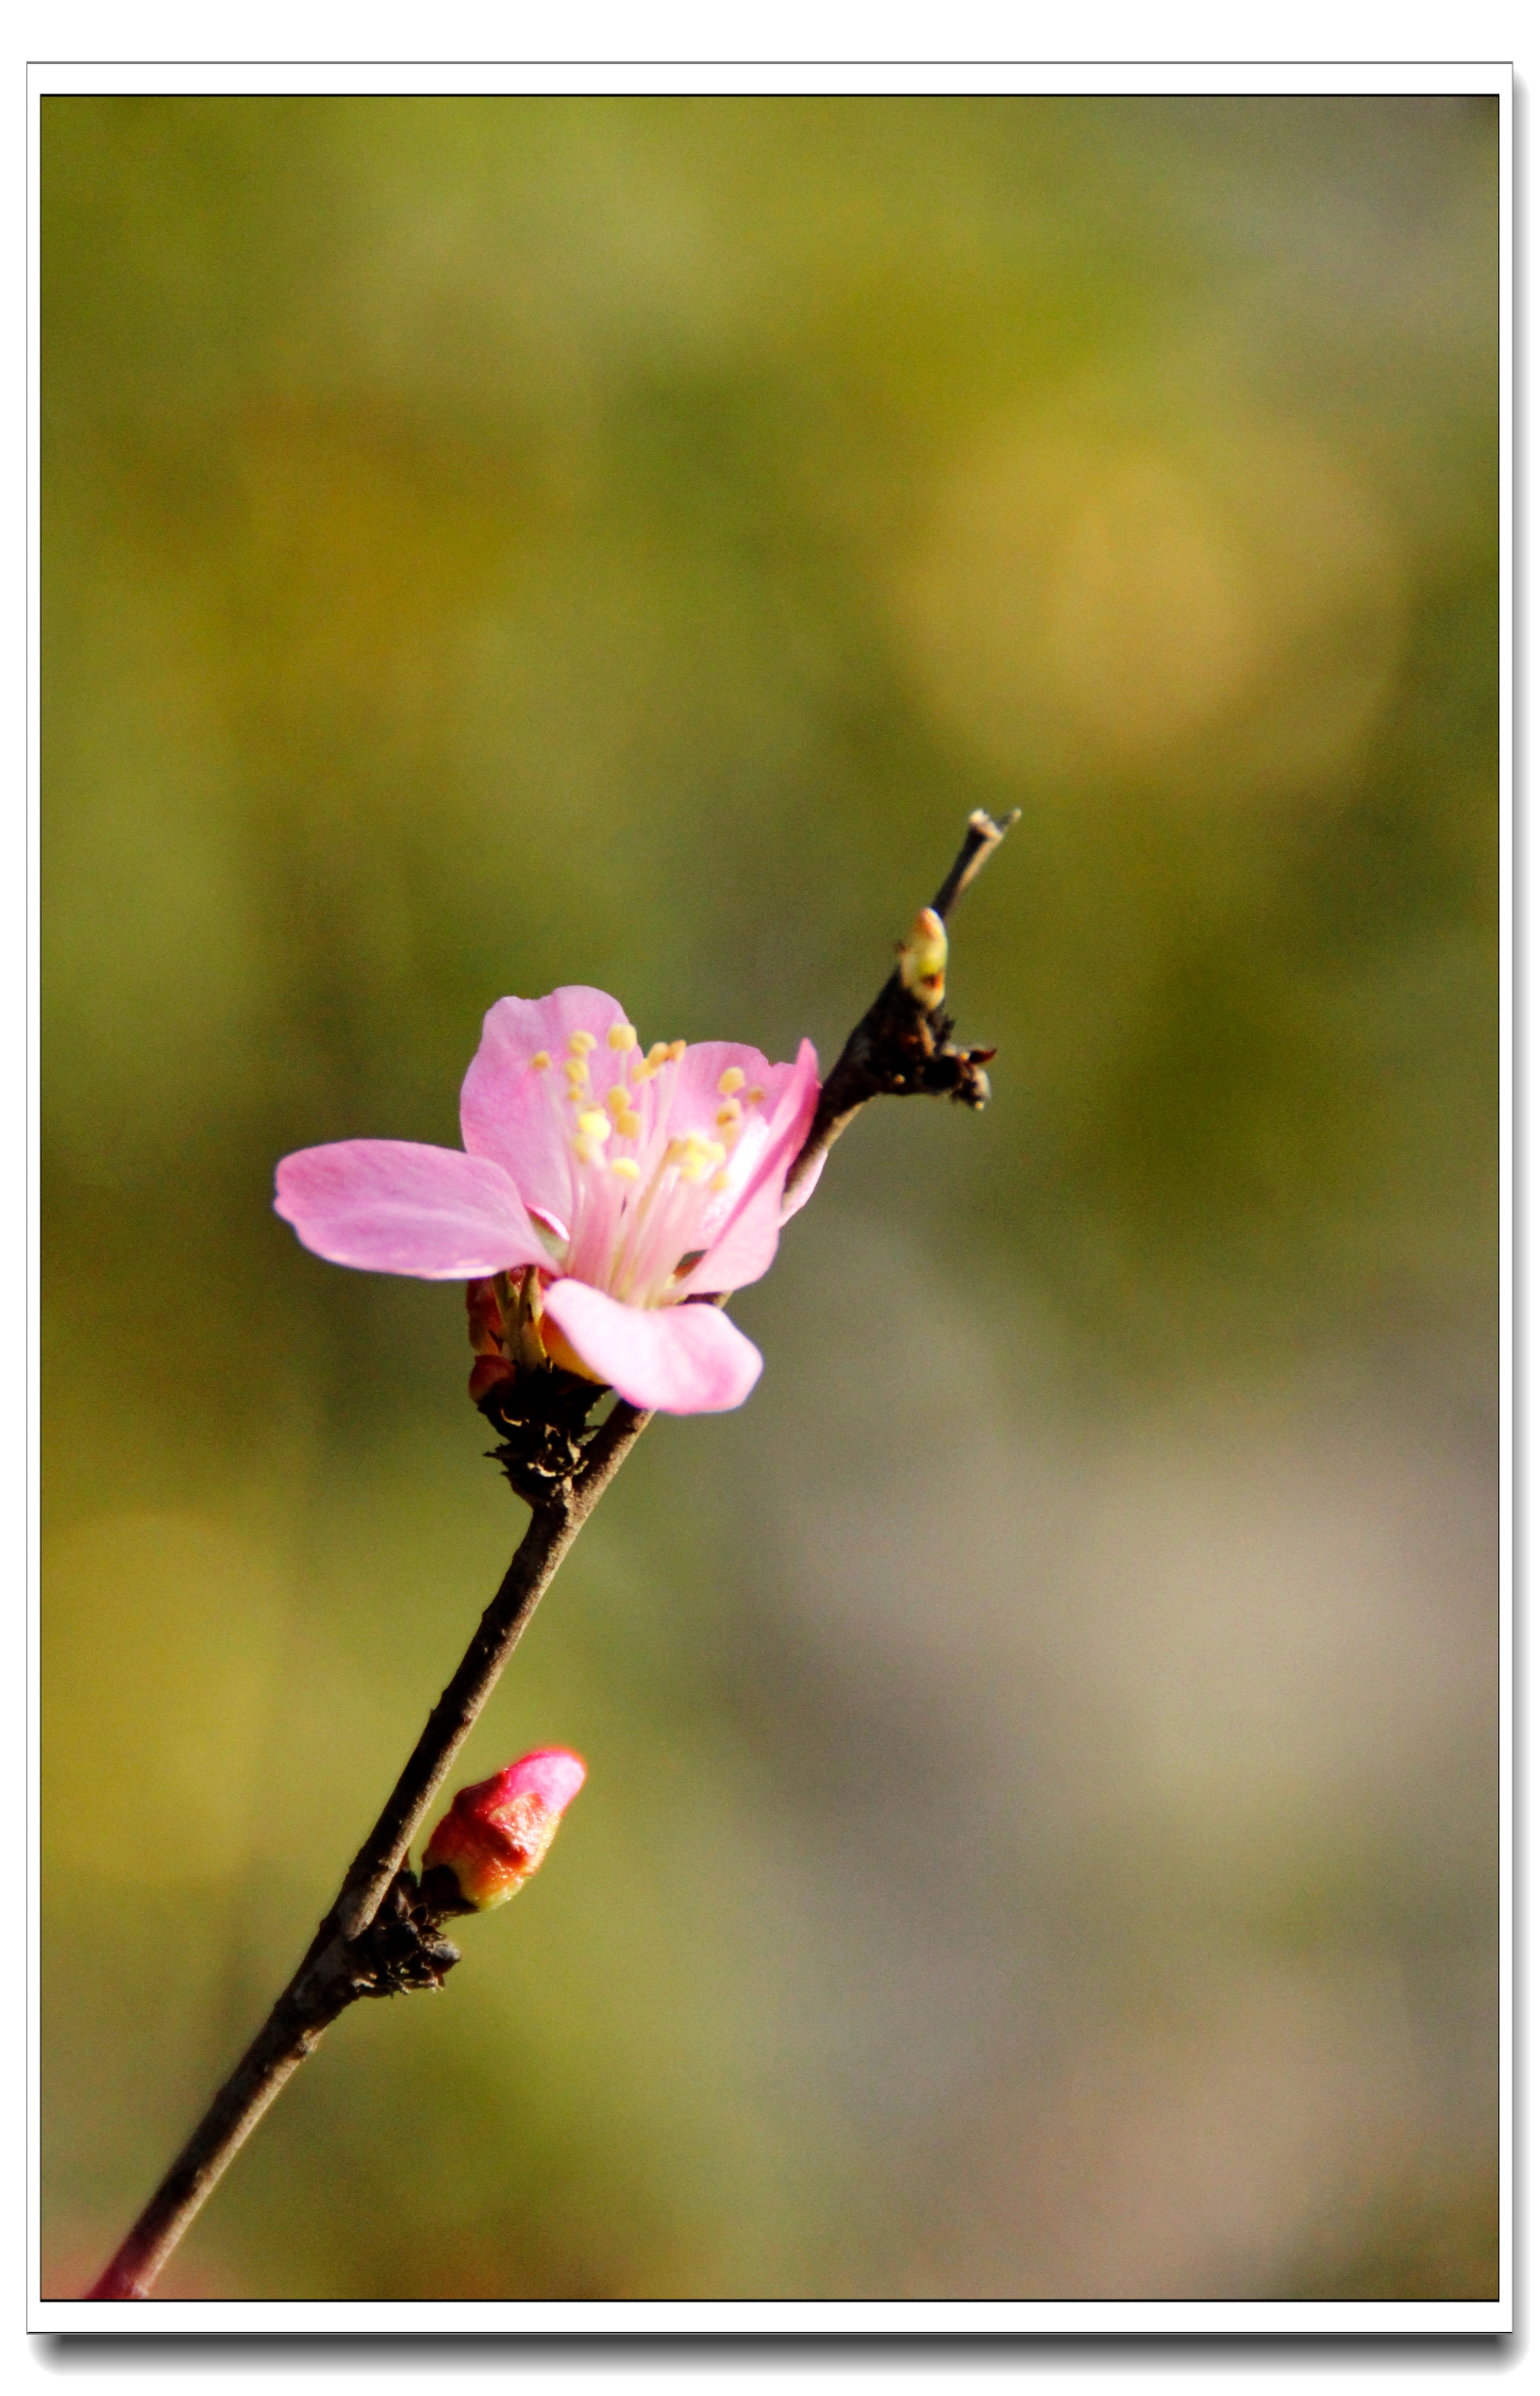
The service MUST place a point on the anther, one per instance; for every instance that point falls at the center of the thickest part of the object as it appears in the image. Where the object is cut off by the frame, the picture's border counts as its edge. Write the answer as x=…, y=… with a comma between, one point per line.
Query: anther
x=628, y=1126
x=541, y=1058
x=618, y=1101
x=731, y=1113
x=627, y=1167
x=675, y=1050
x=732, y=1079
x=595, y=1126
x=581, y=1042
x=623, y=1035
x=753, y=1097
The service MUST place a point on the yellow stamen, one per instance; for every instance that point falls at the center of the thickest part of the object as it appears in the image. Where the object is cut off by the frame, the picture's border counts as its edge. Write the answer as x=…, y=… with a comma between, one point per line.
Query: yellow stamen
x=595, y=1126
x=581, y=1042
x=719, y=1181
x=675, y=1050
x=627, y=1167
x=618, y=1101
x=700, y=1156
x=731, y=1113
x=623, y=1035
x=732, y=1079
x=628, y=1126
x=541, y=1058
x=754, y=1097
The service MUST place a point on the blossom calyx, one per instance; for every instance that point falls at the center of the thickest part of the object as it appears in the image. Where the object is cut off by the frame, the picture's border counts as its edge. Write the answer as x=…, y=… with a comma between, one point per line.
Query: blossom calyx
x=497, y=1831
x=484, y=1321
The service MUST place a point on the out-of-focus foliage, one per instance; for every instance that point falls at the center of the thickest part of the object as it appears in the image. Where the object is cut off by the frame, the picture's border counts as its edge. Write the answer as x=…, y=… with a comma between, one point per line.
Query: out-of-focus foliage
x=1041, y=1834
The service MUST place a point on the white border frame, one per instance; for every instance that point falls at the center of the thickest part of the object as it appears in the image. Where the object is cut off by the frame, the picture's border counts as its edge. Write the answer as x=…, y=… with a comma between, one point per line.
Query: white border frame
x=960, y=2318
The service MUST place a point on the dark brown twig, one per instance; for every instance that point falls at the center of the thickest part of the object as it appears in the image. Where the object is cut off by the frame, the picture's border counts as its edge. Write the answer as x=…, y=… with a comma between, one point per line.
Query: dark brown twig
x=363, y=1948
x=903, y=1043
x=382, y=1933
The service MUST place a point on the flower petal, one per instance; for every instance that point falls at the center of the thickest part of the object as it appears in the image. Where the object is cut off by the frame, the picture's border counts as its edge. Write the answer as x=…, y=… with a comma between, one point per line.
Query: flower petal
x=686, y=1360
x=696, y=1095
x=516, y=1112
x=397, y=1206
x=554, y=1774
x=745, y=1245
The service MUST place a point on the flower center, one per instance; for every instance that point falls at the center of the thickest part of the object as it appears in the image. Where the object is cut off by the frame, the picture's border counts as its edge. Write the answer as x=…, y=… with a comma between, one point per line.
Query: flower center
x=645, y=1198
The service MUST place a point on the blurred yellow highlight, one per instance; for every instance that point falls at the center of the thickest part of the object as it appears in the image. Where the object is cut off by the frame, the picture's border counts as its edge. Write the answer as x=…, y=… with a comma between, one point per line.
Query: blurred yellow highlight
x=1222, y=612
x=161, y=1714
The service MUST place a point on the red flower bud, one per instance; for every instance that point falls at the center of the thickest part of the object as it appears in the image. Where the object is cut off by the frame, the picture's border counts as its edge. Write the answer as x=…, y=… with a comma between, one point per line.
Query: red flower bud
x=496, y=1833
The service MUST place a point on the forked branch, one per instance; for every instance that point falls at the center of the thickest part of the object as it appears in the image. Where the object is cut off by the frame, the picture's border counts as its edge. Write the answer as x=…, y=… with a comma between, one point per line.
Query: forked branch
x=382, y=1935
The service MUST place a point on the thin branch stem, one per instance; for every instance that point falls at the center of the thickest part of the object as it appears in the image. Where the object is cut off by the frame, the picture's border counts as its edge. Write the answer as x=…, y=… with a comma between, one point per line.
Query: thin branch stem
x=982, y=838
x=553, y=1528
x=333, y=1973
x=901, y=1044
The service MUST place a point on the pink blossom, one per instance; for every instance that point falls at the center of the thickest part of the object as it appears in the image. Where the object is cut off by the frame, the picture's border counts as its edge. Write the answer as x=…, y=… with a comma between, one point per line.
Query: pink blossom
x=633, y=1181
x=497, y=1831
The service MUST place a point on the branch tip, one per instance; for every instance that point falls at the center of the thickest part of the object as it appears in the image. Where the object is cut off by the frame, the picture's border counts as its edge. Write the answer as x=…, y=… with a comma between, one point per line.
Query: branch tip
x=903, y=1043
x=982, y=838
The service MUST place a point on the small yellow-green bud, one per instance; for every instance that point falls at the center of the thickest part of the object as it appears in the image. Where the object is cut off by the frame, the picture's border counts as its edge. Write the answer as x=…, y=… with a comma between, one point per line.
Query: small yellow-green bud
x=922, y=958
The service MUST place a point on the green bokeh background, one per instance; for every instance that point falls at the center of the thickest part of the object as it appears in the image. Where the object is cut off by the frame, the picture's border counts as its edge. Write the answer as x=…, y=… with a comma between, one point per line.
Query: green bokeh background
x=1041, y=1836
